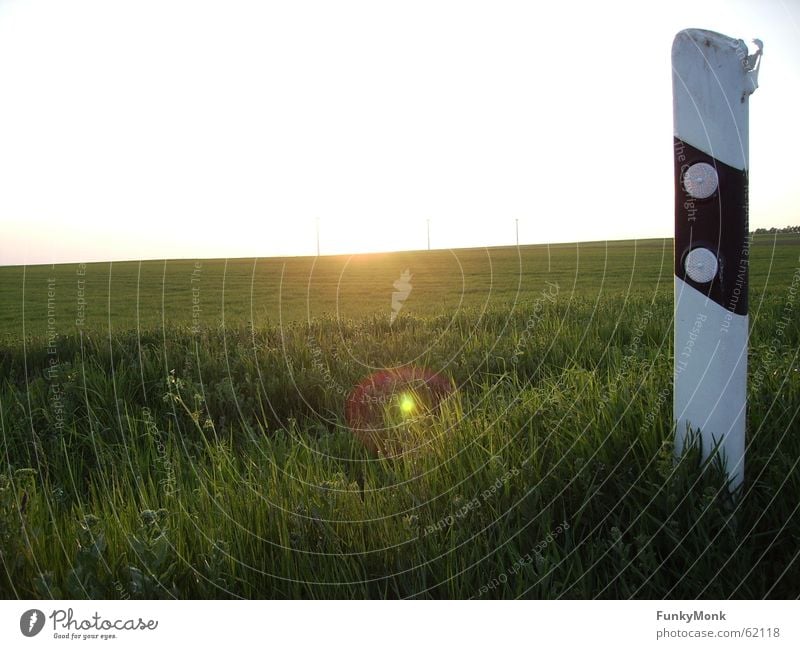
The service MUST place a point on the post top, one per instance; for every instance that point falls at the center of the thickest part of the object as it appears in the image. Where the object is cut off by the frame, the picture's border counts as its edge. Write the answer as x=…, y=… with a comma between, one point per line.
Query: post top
x=713, y=76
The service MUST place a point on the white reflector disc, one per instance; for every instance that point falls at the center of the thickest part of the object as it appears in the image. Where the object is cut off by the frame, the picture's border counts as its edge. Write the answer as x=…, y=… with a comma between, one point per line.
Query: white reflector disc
x=701, y=265
x=701, y=180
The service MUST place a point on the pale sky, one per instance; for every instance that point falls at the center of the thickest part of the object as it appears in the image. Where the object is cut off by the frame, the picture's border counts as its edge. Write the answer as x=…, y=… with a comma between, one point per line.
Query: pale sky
x=167, y=128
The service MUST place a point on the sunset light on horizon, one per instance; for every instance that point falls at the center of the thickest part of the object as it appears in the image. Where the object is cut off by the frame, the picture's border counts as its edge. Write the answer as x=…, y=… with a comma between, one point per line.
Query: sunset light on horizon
x=157, y=130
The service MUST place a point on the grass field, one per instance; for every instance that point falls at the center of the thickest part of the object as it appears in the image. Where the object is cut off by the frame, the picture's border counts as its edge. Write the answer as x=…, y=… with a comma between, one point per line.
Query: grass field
x=176, y=429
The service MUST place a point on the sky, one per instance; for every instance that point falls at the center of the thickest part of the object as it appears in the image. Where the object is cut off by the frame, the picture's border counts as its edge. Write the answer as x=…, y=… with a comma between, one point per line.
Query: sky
x=172, y=129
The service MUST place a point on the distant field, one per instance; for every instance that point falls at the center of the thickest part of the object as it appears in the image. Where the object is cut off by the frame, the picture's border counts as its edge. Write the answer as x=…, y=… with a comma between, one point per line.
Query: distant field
x=178, y=429
x=292, y=289
x=149, y=293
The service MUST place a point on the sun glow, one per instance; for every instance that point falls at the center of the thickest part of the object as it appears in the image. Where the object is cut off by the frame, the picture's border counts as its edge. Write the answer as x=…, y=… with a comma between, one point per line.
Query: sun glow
x=265, y=129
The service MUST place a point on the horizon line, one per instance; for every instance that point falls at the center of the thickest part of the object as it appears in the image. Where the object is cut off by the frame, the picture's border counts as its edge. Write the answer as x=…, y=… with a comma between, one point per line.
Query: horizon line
x=353, y=254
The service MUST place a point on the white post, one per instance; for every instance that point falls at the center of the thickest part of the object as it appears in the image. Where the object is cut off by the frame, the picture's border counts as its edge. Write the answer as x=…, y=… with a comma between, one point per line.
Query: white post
x=712, y=79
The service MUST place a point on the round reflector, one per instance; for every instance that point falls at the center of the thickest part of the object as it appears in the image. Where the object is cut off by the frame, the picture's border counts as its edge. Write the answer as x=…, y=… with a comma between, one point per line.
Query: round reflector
x=701, y=180
x=701, y=265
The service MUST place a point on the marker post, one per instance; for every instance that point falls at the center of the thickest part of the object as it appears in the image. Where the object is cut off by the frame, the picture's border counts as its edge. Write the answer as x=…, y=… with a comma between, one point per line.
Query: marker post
x=712, y=78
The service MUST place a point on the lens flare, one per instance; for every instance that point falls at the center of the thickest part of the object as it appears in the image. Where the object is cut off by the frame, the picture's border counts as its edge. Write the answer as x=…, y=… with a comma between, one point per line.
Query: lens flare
x=407, y=404
x=381, y=406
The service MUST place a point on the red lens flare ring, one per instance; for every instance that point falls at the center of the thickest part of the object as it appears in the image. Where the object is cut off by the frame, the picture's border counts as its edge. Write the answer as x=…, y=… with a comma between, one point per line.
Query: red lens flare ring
x=382, y=402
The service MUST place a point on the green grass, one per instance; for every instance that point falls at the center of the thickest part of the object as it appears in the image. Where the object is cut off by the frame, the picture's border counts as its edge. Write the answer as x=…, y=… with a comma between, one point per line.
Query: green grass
x=148, y=454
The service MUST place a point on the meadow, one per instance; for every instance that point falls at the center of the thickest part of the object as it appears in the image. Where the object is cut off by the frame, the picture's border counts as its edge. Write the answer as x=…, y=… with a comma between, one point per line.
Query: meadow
x=176, y=429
